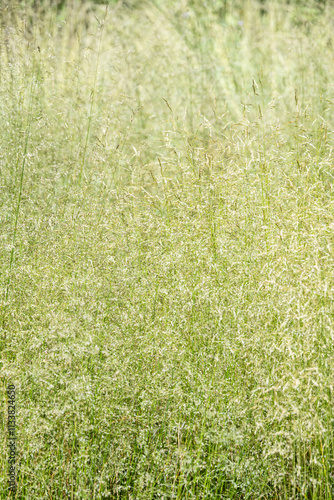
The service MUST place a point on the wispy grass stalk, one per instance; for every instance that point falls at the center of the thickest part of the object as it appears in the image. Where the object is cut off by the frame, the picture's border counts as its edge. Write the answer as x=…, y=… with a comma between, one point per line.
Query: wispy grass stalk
x=91, y=101
x=18, y=202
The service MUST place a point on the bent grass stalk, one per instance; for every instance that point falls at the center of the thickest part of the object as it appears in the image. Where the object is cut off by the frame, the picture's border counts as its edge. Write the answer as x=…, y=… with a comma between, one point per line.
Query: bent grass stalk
x=82, y=166
x=18, y=204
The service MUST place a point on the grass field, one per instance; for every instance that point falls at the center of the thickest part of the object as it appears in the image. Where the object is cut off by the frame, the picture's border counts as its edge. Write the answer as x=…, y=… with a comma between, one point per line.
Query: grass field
x=167, y=249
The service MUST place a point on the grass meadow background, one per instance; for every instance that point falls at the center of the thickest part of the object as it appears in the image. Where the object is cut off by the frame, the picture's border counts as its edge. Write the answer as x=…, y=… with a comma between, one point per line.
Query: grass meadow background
x=167, y=232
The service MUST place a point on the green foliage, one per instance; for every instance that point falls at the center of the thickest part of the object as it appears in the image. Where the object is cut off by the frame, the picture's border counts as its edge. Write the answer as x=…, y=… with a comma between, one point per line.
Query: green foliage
x=167, y=271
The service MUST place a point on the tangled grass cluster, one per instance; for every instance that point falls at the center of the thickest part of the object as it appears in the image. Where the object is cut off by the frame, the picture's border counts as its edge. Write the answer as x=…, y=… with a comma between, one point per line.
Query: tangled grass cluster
x=166, y=176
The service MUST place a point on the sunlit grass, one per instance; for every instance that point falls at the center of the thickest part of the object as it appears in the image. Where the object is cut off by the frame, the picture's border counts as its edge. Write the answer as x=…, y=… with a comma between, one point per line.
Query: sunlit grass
x=166, y=176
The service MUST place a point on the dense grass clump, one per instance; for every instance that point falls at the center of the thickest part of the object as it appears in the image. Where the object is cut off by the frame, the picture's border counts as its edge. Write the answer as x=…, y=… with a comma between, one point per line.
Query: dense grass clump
x=167, y=266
